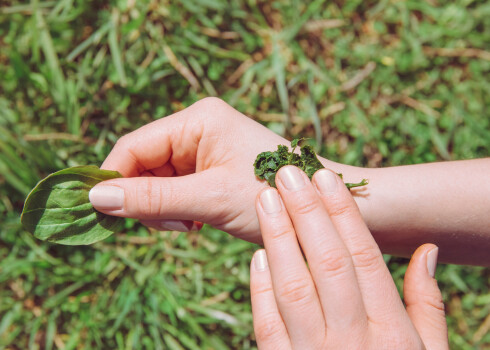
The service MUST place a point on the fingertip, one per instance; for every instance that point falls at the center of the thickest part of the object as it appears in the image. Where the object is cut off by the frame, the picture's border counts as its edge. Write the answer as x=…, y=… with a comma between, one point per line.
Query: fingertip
x=432, y=261
x=259, y=261
x=419, y=283
x=258, y=265
x=269, y=203
x=173, y=225
x=424, y=248
x=270, y=330
x=424, y=260
x=291, y=178
x=423, y=298
x=326, y=182
x=106, y=196
x=285, y=168
x=268, y=188
x=114, y=165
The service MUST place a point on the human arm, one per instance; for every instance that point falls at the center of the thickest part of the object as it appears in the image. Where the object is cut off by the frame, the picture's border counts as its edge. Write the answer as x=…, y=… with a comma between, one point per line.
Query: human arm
x=196, y=165
x=344, y=297
x=445, y=203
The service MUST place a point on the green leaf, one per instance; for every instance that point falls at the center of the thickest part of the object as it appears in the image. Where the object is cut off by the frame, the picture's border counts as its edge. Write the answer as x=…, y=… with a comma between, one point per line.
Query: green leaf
x=267, y=164
x=58, y=209
x=310, y=163
x=294, y=143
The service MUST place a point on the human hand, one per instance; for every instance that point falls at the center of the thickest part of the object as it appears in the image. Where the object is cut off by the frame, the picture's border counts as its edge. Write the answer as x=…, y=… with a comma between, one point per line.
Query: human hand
x=345, y=298
x=196, y=165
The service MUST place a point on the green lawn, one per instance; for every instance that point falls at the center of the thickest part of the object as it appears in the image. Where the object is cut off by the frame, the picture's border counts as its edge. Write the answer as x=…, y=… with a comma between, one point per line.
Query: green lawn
x=373, y=83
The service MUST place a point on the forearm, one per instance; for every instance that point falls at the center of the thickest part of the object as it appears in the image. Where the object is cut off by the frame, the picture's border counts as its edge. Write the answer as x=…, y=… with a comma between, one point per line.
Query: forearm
x=445, y=203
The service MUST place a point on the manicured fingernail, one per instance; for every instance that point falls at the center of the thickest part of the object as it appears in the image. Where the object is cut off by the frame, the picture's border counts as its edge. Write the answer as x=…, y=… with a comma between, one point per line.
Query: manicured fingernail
x=107, y=197
x=270, y=201
x=325, y=181
x=292, y=178
x=181, y=226
x=260, y=260
x=432, y=262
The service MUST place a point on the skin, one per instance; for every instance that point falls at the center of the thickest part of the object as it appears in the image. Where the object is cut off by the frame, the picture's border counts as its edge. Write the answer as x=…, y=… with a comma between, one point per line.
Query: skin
x=345, y=298
x=196, y=165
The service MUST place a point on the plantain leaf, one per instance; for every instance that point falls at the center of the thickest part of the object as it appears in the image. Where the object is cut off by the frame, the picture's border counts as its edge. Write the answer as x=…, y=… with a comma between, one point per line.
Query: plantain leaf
x=267, y=164
x=58, y=209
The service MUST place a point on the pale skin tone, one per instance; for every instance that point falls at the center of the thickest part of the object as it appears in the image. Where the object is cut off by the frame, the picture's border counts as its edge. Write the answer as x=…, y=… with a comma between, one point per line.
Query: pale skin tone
x=345, y=297
x=196, y=165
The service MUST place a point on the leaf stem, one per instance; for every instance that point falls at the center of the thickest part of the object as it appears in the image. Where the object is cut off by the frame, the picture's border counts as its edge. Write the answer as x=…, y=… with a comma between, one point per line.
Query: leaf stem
x=350, y=185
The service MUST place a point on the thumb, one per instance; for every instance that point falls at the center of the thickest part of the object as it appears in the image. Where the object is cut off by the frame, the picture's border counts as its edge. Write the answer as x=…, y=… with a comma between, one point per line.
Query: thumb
x=199, y=196
x=173, y=225
x=423, y=298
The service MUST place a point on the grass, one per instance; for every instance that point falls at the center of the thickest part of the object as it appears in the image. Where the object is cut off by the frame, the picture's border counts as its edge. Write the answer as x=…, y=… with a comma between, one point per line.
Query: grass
x=373, y=83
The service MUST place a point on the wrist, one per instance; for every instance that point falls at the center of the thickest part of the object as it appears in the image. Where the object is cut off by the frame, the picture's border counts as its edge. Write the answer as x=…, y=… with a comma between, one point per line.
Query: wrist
x=364, y=196
x=349, y=173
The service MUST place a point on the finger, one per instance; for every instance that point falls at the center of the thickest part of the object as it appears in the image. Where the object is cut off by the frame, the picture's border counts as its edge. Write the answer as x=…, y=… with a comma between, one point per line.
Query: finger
x=329, y=260
x=423, y=298
x=151, y=147
x=155, y=198
x=294, y=289
x=378, y=290
x=171, y=140
x=165, y=170
x=270, y=331
x=173, y=225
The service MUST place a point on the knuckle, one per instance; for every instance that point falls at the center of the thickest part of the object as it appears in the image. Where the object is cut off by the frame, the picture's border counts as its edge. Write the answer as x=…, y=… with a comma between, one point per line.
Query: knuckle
x=339, y=209
x=123, y=142
x=335, y=262
x=280, y=231
x=259, y=291
x=294, y=291
x=305, y=207
x=416, y=297
x=211, y=103
x=215, y=113
x=148, y=197
x=407, y=341
x=367, y=258
x=436, y=303
x=399, y=340
x=220, y=193
x=268, y=327
x=126, y=145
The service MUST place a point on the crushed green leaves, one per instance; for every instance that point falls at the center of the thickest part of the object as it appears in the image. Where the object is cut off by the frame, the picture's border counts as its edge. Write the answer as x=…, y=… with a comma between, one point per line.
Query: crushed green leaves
x=267, y=164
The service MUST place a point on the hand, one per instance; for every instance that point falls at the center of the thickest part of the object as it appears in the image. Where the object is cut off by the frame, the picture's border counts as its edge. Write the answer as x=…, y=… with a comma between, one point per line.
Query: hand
x=196, y=165
x=345, y=298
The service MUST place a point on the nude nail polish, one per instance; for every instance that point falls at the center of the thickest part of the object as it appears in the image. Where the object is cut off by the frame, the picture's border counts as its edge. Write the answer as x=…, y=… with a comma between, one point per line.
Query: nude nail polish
x=107, y=197
x=260, y=260
x=325, y=181
x=432, y=262
x=270, y=201
x=175, y=225
x=292, y=178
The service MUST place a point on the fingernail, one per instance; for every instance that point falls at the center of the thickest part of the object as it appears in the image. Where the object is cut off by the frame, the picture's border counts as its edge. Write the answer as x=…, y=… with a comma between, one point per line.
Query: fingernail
x=292, y=178
x=325, y=181
x=432, y=262
x=260, y=260
x=270, y=201
x=197, y=226
x=107, y=197
x=178, y=225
